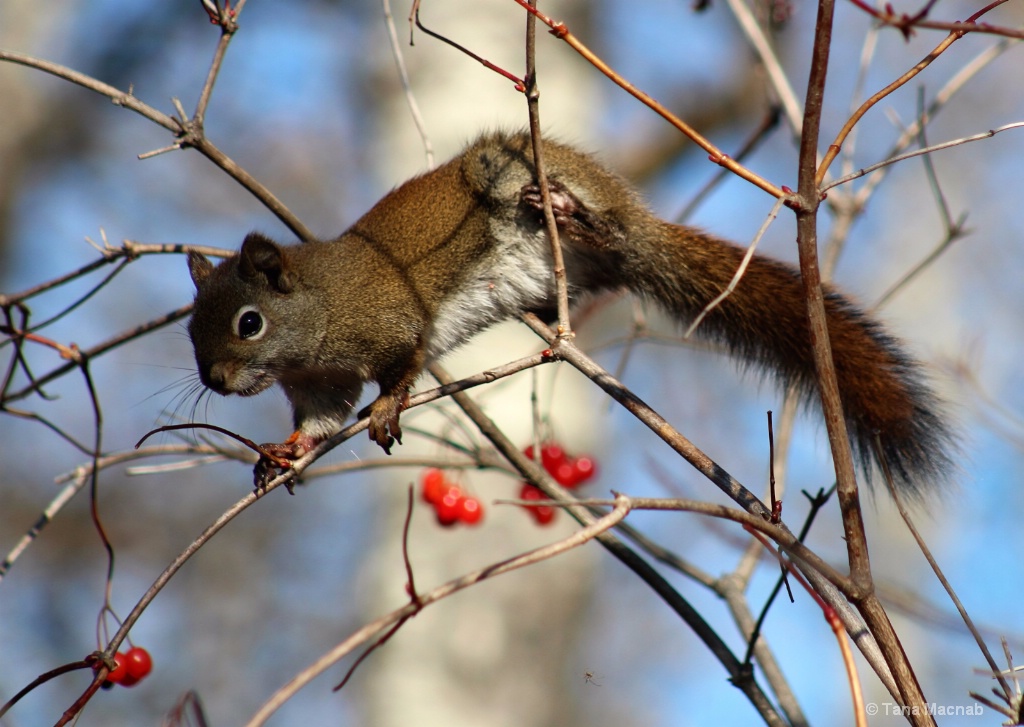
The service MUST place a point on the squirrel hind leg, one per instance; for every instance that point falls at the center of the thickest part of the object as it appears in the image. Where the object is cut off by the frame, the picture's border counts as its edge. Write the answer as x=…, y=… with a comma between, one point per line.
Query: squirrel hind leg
x=574, y=219
x=497, y=165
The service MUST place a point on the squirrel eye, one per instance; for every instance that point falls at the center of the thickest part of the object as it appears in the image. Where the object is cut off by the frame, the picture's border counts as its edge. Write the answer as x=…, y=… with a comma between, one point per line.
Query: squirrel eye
x=248, y=323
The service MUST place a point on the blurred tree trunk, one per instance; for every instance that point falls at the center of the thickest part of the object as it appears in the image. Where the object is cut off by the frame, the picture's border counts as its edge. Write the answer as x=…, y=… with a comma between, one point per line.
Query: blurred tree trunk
x=507, y=642
x=28, y=107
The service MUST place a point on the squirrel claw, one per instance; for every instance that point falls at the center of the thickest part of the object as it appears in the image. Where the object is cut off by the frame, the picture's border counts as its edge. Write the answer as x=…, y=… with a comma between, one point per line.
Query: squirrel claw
x=275, y=459
x=572, y=217
x=384, y=427
x=265, y=471
x=564, y=203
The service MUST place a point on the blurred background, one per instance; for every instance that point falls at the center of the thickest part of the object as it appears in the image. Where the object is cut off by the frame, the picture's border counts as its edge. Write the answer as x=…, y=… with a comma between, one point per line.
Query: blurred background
x=309, y=102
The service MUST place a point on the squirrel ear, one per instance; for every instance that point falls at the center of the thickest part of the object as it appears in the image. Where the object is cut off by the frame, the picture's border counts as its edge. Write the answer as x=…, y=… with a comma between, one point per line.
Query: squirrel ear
x=198, y=267
x=261, y=256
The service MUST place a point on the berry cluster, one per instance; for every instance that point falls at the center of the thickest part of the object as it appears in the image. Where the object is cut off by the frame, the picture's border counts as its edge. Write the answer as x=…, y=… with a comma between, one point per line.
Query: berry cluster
x=566, y=470
x=132, y=667
x=450, y=503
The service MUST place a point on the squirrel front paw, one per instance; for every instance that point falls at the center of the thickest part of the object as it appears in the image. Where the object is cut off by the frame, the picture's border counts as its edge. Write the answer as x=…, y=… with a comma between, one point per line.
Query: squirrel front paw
x=384, y=412
x=276, y=459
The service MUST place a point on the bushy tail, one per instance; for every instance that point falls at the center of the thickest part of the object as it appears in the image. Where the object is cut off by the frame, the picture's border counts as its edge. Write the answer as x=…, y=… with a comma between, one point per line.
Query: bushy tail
x=890, y=410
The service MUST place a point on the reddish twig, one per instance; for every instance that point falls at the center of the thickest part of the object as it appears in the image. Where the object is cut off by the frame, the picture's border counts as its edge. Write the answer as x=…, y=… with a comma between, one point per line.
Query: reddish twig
x=561, y=31
x=835, y=624
x=279, y=462
x=954, y=35
x=43, y=678
x=520, y=84
x=410, y=587
x=906, y=23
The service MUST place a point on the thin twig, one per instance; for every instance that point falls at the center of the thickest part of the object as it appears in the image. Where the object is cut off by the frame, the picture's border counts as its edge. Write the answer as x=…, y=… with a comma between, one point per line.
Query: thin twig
x=410, y=588
x=946, y=585
x=640, y=409
x=403, y=76
x=228, y=27
x=560, y=31
x=770, y=60
x=744, y=263
x=927, y=150
x=768, y=123
x=535, y=474
x=537, y=555
x=533, y=108
x=99, y=349
x=519, y=83
x=906, y=23
x=954, y=36
x=847, y=207
x=187, y=133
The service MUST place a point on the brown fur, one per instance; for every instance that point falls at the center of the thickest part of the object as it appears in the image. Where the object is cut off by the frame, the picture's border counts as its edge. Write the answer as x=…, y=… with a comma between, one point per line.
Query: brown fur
x=456, y=250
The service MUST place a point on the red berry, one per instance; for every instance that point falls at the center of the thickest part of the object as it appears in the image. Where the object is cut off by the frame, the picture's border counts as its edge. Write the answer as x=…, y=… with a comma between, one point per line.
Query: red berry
x=119, y=673
x=433, y=485
x=543, y=514
x=529, y=492
x=140, y=663
x=585, y=468
x=447, y=508
x=470, y=510
x=575, y=471
x=551, y=456
x=565, y=474
x=445, y=519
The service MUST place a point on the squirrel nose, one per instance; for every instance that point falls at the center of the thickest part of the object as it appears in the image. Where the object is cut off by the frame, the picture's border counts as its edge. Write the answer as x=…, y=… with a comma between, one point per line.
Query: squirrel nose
x=213, y=377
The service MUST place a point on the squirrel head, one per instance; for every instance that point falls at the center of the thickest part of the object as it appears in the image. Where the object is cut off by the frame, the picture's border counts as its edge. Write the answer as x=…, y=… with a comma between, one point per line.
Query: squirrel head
x=247, y=326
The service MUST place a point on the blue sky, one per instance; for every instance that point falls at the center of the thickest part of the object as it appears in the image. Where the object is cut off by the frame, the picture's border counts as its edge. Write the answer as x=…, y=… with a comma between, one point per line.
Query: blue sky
x=297, y=105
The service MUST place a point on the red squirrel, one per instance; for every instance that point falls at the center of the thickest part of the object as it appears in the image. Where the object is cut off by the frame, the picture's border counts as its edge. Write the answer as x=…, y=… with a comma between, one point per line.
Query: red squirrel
x=462, y=247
